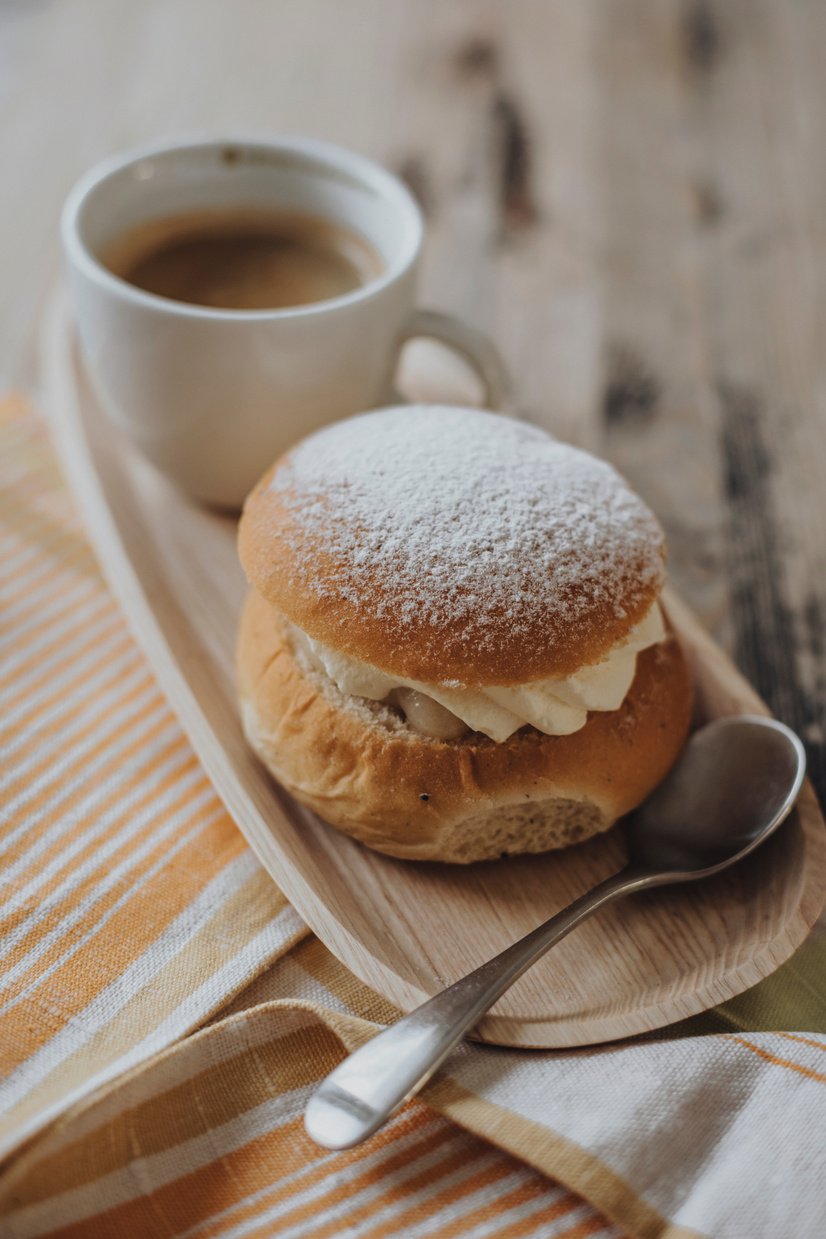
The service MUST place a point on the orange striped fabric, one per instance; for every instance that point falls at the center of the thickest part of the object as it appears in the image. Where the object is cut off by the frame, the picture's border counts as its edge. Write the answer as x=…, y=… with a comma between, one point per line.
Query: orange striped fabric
x=131, y=907
x=132, y=915
x=208, y=1140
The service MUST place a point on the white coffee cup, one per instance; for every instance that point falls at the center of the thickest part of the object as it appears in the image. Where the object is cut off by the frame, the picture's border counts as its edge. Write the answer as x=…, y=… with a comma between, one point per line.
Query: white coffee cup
x=212, y=396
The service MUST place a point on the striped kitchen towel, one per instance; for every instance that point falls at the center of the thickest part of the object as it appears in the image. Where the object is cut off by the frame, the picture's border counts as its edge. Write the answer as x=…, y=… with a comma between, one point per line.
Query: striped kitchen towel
x=132, y=912
x=164, y=1013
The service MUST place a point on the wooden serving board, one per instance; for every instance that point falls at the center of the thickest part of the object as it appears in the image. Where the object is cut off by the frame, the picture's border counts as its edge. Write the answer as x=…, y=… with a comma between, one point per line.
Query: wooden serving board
x=409, y=929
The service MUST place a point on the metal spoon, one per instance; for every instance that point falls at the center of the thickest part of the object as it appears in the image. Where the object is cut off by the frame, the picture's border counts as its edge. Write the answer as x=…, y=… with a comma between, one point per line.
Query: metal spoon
x=735, y=782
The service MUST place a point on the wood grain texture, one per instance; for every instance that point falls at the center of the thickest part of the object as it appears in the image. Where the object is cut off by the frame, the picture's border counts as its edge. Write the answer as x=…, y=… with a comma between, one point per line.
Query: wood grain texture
x=409, y=929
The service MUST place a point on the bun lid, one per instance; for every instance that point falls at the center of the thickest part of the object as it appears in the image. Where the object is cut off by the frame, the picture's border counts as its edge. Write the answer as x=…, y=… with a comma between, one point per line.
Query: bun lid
x=452, y=546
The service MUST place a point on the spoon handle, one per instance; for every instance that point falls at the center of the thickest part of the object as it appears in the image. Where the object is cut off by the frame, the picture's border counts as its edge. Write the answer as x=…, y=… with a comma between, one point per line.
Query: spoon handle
x=363, y=1091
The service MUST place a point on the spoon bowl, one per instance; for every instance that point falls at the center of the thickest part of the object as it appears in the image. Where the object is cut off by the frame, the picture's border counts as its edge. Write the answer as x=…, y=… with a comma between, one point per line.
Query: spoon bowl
x=735, y=782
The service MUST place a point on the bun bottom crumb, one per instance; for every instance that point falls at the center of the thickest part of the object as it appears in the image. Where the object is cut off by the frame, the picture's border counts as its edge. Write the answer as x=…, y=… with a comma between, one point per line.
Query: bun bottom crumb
x=362, y=769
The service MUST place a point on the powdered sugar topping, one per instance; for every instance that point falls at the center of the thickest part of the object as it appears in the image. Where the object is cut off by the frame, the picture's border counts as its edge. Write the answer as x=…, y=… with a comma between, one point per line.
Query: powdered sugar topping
x=446, y=516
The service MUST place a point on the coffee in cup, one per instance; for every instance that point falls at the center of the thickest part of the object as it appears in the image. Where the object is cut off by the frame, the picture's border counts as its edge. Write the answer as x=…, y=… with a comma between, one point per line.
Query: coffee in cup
x=244, y=258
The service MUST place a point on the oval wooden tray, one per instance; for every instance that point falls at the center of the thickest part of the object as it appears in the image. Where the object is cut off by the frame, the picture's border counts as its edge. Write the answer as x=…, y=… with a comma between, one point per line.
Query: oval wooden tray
x=408, y=929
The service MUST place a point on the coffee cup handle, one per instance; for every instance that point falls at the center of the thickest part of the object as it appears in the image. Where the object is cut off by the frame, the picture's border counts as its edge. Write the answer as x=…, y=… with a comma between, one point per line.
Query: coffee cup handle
x=471, y=344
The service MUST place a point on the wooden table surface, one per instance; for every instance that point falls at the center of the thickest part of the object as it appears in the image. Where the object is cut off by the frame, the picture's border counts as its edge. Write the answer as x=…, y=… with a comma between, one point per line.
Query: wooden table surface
x=629, y=195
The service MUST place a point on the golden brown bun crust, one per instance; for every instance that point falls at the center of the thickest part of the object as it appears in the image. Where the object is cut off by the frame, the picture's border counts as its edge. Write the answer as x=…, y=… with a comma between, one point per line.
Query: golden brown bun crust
x=538, y=629
x=368, y=780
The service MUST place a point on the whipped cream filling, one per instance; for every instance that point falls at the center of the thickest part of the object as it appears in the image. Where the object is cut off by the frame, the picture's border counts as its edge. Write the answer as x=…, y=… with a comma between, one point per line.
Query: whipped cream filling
x=557, y=707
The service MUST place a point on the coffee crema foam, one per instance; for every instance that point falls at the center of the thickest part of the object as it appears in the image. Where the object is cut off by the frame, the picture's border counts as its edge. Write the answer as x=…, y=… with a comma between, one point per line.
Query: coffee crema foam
x=243, y=259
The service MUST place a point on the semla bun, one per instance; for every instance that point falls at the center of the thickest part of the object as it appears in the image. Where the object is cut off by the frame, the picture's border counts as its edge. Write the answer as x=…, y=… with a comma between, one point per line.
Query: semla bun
x=474, y=556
